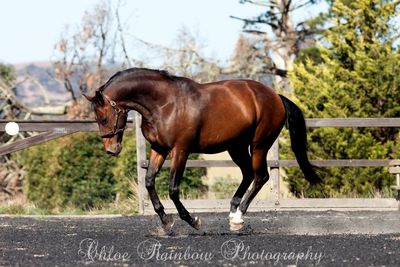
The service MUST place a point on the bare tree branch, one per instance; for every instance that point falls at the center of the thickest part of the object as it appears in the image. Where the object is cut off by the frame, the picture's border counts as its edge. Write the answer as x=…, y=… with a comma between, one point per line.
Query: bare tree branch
x=258, y=20
x=256, y=32
x=284, y=40
x=258, y=3
x=122, y=39
x=305, y=4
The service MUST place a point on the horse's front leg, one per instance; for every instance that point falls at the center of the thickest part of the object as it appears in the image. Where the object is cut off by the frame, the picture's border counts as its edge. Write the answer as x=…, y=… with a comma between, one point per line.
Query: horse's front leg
x=178, y=162
x=156, y=161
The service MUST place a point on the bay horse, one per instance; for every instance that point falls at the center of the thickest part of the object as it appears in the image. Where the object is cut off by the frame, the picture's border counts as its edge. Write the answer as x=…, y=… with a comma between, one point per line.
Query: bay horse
x=181, y=116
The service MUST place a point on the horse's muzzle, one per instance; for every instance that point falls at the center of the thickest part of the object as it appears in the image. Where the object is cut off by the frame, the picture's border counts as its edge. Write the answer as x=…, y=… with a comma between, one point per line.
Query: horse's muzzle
x=114, y=149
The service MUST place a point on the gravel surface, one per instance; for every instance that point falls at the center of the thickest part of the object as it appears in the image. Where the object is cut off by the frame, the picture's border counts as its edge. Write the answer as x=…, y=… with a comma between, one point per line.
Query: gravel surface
x=327, y=238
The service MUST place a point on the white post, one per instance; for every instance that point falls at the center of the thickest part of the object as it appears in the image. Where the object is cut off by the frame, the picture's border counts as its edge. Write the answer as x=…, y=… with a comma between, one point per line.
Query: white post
x=398, y=188
x=140, y=157
x=274, y=172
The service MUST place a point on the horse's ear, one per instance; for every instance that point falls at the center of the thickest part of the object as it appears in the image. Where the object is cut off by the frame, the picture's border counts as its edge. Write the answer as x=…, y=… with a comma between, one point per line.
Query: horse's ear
x=98, y=98
x=88, y=97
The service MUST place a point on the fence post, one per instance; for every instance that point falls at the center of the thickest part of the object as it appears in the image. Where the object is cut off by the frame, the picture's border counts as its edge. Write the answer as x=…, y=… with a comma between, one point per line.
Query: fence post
x=274, y=173
x=140, y=157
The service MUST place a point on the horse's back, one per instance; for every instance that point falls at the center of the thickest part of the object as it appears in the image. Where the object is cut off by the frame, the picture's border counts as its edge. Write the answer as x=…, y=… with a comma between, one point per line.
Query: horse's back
x=235, y=111
x=248, y=98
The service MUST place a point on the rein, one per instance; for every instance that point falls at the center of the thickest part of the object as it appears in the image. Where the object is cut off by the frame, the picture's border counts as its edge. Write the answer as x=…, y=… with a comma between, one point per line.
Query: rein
x=118, y=112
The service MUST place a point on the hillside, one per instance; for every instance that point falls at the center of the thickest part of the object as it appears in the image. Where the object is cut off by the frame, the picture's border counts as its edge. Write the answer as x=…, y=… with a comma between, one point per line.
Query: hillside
x=47, y=91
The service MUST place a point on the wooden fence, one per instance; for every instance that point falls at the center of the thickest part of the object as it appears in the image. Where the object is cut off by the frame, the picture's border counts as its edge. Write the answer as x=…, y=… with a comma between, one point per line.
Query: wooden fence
x=49, y=130
x=55, y=129
x=277, y=203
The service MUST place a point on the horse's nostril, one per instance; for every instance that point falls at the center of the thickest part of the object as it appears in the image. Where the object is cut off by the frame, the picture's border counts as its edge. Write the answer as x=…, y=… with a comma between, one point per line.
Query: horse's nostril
x=114, y=150
x=112, y=153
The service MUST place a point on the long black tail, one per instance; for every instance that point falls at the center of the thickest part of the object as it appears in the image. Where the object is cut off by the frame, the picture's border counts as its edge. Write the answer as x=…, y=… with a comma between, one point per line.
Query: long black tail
x=298, y=138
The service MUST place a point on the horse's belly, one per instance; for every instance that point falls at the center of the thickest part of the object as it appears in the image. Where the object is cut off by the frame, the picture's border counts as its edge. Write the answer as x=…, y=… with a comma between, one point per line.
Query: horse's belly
x=213, y=149
x=223, y=139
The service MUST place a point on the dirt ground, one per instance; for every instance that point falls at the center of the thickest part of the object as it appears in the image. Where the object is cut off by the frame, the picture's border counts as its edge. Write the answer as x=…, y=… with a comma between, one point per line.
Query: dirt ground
x=328, y=238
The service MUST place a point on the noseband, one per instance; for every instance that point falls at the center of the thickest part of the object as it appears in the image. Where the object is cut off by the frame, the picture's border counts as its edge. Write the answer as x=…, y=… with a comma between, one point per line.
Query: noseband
x=118, y=112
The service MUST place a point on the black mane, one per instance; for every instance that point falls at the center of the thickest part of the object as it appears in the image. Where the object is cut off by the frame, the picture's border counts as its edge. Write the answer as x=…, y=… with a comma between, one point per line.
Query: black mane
x=138, y=71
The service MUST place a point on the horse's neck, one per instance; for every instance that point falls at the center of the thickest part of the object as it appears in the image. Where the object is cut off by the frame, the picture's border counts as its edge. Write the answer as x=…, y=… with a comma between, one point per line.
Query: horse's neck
x=142, y=98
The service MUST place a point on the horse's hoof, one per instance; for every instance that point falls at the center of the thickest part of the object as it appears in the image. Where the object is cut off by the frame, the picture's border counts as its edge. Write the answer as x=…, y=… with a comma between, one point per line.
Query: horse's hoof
x=236, y=221
x=168, y=223
x=236, y=226
x=196, y=223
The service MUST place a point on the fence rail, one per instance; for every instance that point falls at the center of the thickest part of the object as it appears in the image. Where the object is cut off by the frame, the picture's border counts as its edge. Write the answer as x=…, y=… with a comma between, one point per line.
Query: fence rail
x=55, y=125
x=48, y=129
x=91, y=125
x=52, y=129
x=353, y=122
x=291, y=163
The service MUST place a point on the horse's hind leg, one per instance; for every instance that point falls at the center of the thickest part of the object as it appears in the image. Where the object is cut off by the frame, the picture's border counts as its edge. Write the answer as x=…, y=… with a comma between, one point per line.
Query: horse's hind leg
x=156, y=161
x=178, y=162
x=259, y=161
x=242, y=158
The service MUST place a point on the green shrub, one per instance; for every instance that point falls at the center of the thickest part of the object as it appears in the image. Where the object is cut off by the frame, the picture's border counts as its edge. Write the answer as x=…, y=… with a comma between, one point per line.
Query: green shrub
x=86, y=171
x=75, y=172
x=40, y=164
x=355, y=75
x=225, y=187
x=72, y=171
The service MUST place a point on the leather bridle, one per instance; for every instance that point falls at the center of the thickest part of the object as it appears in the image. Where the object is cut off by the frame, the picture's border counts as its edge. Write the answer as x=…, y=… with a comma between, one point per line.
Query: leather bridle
x=118, y=111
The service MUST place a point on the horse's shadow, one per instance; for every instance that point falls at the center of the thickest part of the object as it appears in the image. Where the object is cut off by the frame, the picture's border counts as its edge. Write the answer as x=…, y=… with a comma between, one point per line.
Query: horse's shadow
x=181, y=229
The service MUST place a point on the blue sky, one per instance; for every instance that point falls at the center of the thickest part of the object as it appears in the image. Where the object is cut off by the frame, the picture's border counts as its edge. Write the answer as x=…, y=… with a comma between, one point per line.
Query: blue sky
x=30, y=29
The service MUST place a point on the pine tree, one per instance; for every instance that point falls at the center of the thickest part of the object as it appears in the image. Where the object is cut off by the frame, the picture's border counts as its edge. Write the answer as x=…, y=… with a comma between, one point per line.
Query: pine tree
x=7, y=73
x=357, y=74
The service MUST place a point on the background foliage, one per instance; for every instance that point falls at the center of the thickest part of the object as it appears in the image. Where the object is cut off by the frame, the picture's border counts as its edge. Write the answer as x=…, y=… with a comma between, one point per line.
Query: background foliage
x=356, y=74
x=75, y=172
x=351, y=69
x=7, y=72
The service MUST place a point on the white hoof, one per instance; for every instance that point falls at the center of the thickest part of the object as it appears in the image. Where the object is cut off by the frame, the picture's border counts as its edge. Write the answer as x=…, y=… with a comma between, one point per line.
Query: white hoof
x=235, y=226
x=235, y=220
x=236, y=216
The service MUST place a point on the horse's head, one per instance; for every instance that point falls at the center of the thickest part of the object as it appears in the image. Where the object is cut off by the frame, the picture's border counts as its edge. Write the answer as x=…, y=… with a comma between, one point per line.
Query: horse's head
x=111, y=120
